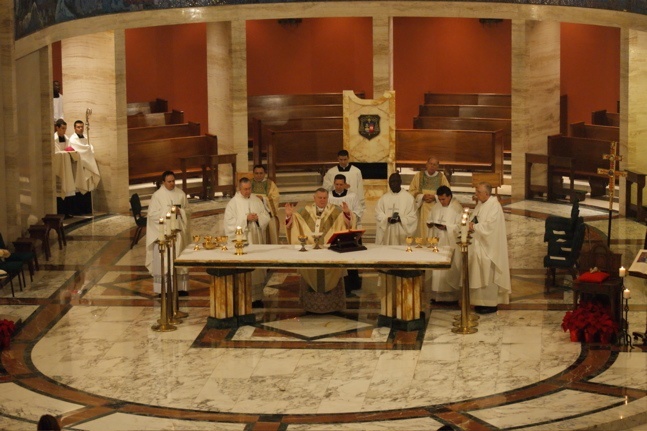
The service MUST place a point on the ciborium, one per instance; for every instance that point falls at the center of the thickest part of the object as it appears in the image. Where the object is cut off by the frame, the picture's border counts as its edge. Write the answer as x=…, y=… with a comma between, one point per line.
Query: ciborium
x=196, y=241
x=419, y=241
x=433, y=243
x=302, y=240
x=409, y=241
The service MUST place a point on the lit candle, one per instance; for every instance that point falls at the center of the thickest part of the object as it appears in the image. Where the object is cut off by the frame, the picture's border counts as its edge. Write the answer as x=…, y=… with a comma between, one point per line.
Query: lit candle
x=161, y=229
x=626, y=294
x=464, y=231
x=173, y=217
x=623, y=271
x=167, y=224
x=239, y=233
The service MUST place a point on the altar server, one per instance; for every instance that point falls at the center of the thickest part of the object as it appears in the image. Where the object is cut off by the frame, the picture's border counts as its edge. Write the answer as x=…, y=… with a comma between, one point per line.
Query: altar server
x=91, y=175
x=266, y=190
x=322, y=291
x=488, y=255
x=354, y=180
x=395, y=214
x=247, y=211
x=423, y=188
x=161, y=204
x=443, y=223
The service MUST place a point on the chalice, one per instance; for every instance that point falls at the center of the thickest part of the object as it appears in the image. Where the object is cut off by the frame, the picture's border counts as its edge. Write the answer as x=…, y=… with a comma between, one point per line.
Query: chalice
x=419, y=241
x=316, y=238
x=433, y=243
x=196, y=240
x=222, y=240
x=409, y=241
x=302, y=240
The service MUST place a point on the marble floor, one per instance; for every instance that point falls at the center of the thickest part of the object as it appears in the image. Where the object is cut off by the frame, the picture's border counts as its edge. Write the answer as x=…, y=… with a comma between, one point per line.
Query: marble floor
x=85, y=352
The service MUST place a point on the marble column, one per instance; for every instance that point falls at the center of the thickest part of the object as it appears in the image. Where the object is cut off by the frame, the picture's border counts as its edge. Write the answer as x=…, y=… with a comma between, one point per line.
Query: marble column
x=94, y=77
x=382, y=55
x=227, y=88
x=35, y=130
x=535, y=94
x=633, y=105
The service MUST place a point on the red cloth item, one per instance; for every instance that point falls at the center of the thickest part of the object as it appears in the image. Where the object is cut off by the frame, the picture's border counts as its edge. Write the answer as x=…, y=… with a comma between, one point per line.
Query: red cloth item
x=70, y=149
x=593, y=277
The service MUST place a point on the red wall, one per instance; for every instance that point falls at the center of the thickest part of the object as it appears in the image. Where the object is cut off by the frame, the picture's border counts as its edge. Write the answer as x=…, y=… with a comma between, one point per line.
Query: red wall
x=590, y=69
x=169, y=62
x=319, y=55
x=447, y=55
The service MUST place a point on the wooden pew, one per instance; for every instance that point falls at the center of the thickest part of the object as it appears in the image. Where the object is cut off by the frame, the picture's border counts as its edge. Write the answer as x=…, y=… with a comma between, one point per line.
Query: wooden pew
x=587, y=155
x=138, y=134
x=604, y=118
x=470, y=150
x=157, y=105
x=261, y=130
x=478, y=111
x=156, y=119
x=148, y=159
x=468, y=99
x=286, y=150
x=279, y=100
x=208, y=165
x=459, y=123
x=594, y=131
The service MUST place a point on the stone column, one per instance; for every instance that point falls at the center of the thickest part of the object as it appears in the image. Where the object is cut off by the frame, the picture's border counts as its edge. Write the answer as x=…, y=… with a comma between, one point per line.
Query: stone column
x=535, y=94
x=382, y=55
x=633, y=105
x=94, y=78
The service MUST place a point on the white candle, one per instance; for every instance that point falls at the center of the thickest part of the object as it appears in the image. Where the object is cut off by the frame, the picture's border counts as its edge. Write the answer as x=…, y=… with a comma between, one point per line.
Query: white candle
x=161, y=230
x=239, y=233
x=626, y=294
x=173, y=217
x=167, y=224
x=464, y=232
x=623, y=271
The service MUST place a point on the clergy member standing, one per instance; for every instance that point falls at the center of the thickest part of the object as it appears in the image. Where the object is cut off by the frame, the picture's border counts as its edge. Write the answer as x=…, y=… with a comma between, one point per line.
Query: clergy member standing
x=423, y=188
x=354, y=180
x=488, y=255
x=82, y=146
x=266, y=190
x=247, y=211
x=395, y=214
x=444, y=222
x=161, y=205
x=322, y=291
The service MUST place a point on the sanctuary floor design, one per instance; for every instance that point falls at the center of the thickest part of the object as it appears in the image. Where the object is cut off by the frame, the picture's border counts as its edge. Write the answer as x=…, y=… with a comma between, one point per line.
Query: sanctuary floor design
x=85, y=351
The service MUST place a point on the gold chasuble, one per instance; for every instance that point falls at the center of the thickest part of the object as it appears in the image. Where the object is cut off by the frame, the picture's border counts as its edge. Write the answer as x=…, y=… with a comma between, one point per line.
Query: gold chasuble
x=422, y=184
x=324, y=291
x=267, y=191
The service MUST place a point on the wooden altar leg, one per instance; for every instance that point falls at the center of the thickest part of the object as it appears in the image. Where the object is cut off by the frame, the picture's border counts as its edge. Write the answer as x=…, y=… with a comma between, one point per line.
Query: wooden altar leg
x=402, y=305
x=230, y=298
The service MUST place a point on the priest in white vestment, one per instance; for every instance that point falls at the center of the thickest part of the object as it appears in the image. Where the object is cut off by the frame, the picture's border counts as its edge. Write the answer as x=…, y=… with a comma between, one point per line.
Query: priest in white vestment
x=489, y=268
x=79, y=142
x=322, y=291
x=266, y=190
x=247, y=211
x=444, y=223
x=161, y=204
x=423, y=188
x=395, y=214
x=354, y=180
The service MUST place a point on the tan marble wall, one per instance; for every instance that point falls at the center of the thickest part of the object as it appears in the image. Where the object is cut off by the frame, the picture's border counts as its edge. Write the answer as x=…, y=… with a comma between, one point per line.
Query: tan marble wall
x=379, y=149
x=382, y=54
x=633, y=101
x=535, y=94
x=94, y=76
x=220, y=79
x=35, y=180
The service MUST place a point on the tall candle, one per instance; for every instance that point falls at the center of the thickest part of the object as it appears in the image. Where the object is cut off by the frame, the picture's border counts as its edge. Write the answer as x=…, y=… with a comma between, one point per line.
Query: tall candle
x=167, y=224
x=239, y=233
x=173, y=217
x=623, y=271
x=464, y=232
x=626, y=294
x=161, y=229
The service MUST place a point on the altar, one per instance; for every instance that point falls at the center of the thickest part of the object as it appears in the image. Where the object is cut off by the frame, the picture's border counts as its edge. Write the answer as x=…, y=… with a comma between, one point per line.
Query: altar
x=230, y=289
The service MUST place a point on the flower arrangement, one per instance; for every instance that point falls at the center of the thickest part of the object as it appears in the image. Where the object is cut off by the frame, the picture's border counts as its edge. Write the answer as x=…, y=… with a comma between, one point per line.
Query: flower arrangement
x=591, y=319
x=7, y=328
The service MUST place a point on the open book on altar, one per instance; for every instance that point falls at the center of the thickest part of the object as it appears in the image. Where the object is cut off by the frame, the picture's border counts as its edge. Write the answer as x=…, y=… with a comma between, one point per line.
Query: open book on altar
x=639, y=266
x=347, y=240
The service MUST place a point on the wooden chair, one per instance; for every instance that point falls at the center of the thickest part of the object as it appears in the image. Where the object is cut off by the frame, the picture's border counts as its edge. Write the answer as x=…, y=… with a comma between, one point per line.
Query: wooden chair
x=55, y=223
x=140, y=220
x=610, y=290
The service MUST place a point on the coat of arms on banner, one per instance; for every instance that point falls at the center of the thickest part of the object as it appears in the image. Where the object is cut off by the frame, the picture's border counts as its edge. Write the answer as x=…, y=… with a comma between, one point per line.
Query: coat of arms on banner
x=369, y=126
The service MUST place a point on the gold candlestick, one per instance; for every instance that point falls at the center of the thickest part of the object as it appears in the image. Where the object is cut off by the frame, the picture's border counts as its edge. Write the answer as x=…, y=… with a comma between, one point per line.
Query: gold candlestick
x=240, y=241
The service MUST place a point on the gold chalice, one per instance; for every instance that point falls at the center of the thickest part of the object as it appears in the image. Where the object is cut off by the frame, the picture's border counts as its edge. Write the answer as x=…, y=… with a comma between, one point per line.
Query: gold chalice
x=208, y=244
x=222, y=241
x=419, y=241
x=409, y=241
x=302, y=240
x=433, y=243
x=208, y=238
x=316, y=239
x=196, y=240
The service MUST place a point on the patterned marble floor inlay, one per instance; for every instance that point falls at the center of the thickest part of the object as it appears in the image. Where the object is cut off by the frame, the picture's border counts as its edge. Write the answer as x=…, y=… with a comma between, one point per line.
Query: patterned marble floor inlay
x=84, y=350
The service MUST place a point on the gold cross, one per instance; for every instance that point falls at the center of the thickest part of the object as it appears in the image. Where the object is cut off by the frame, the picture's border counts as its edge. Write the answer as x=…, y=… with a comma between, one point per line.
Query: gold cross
x=613, y=157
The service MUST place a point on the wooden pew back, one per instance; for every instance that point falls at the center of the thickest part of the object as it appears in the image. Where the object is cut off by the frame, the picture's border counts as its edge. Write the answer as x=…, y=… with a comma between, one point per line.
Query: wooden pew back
x=148, y=159
x=157, y=105
x=287, y=151
x=478, y=111
x=468, y=99
x=156, y=119
x=459, y=123
x=471, y=150
x=604, y=118
x=138, y=134
x=273, y=101
x=594, y=131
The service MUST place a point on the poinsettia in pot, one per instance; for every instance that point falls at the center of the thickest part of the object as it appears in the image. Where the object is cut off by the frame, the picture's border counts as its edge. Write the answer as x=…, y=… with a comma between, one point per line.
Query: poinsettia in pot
x=589, y=321
x=7, y=329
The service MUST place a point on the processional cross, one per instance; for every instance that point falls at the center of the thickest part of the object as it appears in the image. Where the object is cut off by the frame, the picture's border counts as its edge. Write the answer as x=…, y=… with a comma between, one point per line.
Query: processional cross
x=612, y=157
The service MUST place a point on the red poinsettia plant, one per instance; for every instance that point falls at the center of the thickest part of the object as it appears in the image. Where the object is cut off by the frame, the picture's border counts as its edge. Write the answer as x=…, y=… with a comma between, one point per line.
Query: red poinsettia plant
x=7, y=329
x=591, y=318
